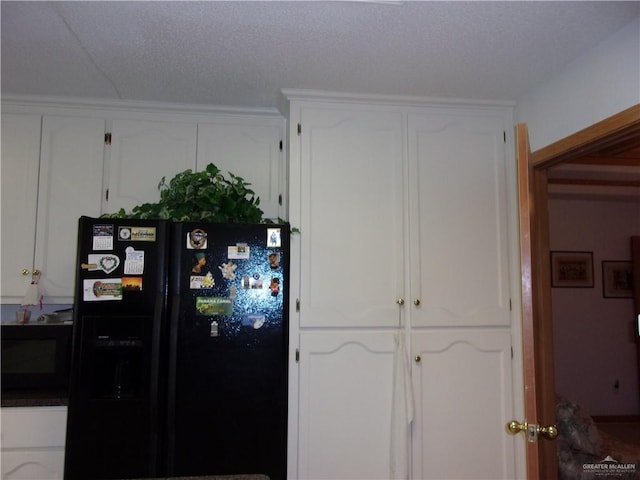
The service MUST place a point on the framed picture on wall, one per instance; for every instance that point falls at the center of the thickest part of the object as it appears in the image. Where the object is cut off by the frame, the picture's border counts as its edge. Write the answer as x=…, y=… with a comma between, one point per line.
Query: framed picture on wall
x=617, y=279
x=571, y=269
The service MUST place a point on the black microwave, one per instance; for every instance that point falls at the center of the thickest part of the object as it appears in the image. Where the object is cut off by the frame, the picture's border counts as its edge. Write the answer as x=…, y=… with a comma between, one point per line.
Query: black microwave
x=35, y=357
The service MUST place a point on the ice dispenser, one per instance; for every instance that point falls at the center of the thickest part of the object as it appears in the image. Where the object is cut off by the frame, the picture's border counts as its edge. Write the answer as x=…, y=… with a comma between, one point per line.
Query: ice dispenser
x=120, y=357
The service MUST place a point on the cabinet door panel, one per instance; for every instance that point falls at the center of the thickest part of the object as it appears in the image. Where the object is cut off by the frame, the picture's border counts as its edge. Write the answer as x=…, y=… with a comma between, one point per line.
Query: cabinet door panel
x=70, y=186
x=462, y=394
x=19, y=173
x=142, y=152
x=346, y=384
x=351, y=196
x=248, y=150
x=459, y=249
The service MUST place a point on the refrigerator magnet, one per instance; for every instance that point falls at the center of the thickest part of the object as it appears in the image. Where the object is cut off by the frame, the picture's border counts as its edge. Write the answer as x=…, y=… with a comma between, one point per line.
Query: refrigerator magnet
x=228, y=270
x=274, y=260
x=253, y=320
x=197, y=239
x=274, y=286
x=132, y=284
x=273, y=237
x=102, y=237
x=208, y=306
x=238, y=252
x=133, y=261
x=197, y=282
x=106, y=263
x=200, y=261
x=101, y=290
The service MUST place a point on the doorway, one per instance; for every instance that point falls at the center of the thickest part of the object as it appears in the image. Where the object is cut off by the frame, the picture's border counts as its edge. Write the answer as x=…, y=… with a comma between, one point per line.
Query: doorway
x=599, y=146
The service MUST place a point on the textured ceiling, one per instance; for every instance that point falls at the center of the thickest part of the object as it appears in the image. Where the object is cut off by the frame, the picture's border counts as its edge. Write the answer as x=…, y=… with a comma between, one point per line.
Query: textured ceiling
x=243, y=53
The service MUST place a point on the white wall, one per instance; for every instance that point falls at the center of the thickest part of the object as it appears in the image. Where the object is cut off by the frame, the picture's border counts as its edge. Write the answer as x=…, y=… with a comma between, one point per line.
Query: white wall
x=595, y=86
x=593, y=341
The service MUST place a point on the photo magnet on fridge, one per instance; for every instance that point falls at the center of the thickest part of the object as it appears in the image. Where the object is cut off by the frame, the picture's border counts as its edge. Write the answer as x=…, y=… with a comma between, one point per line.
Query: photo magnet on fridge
x=273, y=237
x=240, y=251
x=132, y=284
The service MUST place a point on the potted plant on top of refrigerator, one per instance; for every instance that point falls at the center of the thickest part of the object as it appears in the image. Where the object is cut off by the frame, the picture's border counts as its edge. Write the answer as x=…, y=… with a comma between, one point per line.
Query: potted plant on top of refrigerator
x=205, y=196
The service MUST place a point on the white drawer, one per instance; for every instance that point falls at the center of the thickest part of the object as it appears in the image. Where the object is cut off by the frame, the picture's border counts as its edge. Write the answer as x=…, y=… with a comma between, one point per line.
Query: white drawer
x=29, y=427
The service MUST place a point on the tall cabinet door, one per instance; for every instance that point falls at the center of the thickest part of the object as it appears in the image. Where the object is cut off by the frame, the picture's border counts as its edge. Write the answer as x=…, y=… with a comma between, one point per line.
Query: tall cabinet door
x=346, y=390
x=70, y=186
x=459, y=250
x=462, y=388
x=142, y=152
x=20, y=161
x=249, y=149
x=352, y=216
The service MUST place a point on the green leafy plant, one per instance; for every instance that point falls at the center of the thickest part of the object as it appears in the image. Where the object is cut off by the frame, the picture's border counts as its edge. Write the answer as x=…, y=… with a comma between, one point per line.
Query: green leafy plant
x=205, y=196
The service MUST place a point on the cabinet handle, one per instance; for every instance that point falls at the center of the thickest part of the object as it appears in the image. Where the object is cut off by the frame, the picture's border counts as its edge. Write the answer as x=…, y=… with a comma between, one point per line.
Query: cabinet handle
x=416, y=302
x=25, y=272
x=400, y=301
x=417, y=358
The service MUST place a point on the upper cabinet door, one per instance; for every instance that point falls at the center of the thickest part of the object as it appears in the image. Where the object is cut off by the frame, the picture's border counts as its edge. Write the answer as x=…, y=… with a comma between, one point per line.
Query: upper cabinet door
x=248, y=148
x=459, y=250
x=20, y=162
x=350, y=195
x=142, y=152
x=70, y=186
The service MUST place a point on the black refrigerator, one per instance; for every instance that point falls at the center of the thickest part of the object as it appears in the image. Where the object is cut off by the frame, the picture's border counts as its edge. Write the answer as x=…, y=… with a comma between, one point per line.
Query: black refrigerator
x=179, y=363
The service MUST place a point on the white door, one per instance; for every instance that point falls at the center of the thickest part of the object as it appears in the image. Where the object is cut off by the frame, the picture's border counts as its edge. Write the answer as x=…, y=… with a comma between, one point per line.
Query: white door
x=250, y=150
x=70, y=186
x=352, y=217
x=345, y=404
x=141, y=153
x=459, y=247
x=462, y=393
x=19, y=174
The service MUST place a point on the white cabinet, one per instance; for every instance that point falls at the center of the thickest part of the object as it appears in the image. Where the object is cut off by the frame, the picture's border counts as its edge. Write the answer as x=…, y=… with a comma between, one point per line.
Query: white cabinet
x=19, y=175
x=70, y=186
x=402, y=210
x=141, y=153
x=345, y=405
x=33, y=441
x=55, y=180
x=462, y=388
x=350, y=190
x=459, y=258
x=250, y=148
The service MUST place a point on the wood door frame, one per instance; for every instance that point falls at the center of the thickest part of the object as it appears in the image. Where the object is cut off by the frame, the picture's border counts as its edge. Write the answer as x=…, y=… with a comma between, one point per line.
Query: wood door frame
x=607, y=132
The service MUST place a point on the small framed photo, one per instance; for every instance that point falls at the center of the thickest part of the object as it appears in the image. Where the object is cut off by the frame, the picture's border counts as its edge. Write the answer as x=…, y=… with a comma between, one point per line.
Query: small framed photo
x=572, y=269
x=617, y=279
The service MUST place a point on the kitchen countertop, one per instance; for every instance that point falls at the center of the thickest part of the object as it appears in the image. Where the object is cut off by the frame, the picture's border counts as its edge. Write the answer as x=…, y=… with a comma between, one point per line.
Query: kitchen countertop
x=53, y=398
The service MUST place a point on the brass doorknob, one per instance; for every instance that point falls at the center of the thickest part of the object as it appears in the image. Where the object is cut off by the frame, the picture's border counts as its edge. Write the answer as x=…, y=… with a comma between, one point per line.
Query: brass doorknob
x=400, y=301
x=516, y=427
x=550, y=431
x=532, y=431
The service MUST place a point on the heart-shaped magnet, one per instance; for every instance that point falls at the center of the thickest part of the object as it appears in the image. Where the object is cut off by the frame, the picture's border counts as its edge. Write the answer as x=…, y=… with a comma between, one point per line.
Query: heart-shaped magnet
x=109, y=263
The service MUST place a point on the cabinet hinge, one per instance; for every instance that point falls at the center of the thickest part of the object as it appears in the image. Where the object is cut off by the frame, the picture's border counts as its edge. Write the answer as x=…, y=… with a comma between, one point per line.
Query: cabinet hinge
x=297, y=304
x=510, y=305
x=281, y=145
x=106, y=195
x=512, y=352
x=107, y=139
x=280, y=199
x=297, y=355
x=299, y=129
x=504, y=136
